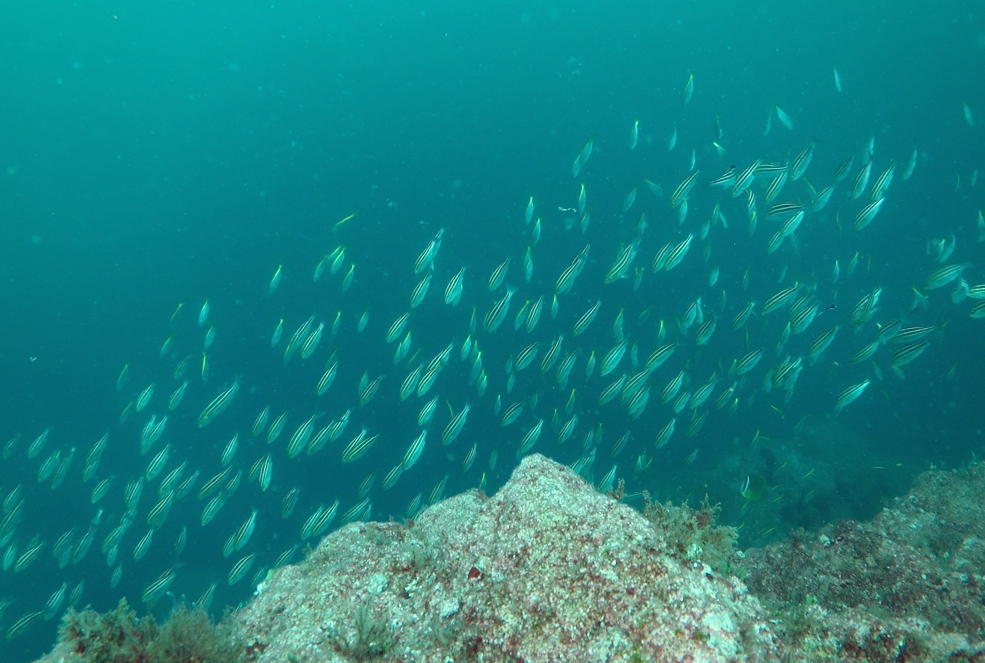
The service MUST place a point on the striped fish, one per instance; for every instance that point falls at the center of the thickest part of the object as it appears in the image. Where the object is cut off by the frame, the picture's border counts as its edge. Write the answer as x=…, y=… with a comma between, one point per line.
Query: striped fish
x=159, y=587
x=746, y=363
x=586, y=319
x=611, y=391
x=906, y=354
x=774, y=188
x=426, y=259
x=844, y=168
x=564, y=434
x=159, y=513
x=265, y=472
x=427, y=412
x=533, y=315
x=320, y=439
x=218, y=405
x=865, y=353
x=659, y=356
x=414, y=451
x=496, y=315
x=564, y=369
x=326, y=380
x=312, y=341
x=705, y=331
x=849, y=396
x=861, y=180
x=498, y=274
x=660, y=260
x=676, y=255
x=743, y=181
x=912, y=334
x=683, y=190
x=469, y=458
x=420, y=291
x=803, y=318
x=453, y=292
x=821, y=199
x=889, y=330
x=638, y=403
x=622, y=263
x=240, y=569
x=701, y=395
x=550, y=357
x=665, y=433
x=882, y=183
x=21, y=625
x=865, y=308
x=294, y=342
x=743, y=316
x=775, y=242
x=820, y=344
x=672, y=388
x=945, y=275
x=369, y=391
x=783, y=209
x=397, y=328
x=455, y=426
x=801, y=162
x=634, y=384
x=725, y=397
x=790, y=225
x=358, y=446
x=612, y=358
x=261, y=421
x=867, y=213
x=300, y=437
x=726, y=179
x=512, y=413
x=391, y=478
x=780, y=299
x=410, y=383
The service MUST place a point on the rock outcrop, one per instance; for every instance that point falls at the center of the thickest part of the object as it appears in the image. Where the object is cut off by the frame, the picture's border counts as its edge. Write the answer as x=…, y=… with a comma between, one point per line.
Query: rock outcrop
x=548, y=569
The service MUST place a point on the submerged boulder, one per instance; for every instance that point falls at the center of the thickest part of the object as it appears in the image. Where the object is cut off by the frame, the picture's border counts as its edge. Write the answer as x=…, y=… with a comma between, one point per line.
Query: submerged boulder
x=547, y=569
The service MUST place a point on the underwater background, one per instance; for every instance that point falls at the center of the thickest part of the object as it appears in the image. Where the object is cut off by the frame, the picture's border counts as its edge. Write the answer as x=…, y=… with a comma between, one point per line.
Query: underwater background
x=159, y=157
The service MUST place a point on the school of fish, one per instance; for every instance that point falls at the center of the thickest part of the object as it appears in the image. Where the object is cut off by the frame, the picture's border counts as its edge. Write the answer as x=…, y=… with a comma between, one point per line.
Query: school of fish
x=618, y=349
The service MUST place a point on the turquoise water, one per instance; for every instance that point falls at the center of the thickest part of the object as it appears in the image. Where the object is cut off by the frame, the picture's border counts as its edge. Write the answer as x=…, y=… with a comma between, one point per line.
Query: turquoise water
x=157, y=157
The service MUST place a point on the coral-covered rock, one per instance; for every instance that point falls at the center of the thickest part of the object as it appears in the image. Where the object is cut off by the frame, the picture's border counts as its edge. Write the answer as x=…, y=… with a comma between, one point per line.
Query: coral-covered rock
x=546, y=570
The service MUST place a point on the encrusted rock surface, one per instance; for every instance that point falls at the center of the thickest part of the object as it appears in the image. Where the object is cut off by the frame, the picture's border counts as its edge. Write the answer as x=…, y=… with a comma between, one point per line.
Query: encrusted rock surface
x=546, y=570
x=907, y=586
x=550, y=570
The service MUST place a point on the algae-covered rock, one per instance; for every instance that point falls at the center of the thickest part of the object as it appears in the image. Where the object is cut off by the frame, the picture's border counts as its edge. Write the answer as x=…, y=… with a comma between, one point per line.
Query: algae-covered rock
x=907, y=585
x=546, y=570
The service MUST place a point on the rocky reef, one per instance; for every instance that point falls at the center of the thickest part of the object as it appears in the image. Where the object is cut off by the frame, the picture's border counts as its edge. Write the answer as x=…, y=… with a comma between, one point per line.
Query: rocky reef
x=906, y=586
x=548, y=569
x=545, y=570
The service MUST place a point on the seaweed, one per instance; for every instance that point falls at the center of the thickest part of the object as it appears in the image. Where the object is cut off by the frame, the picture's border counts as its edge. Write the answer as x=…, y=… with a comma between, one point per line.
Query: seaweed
x=189, y=635
x=693, y=535
x=371, y=638
x=120, y=636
